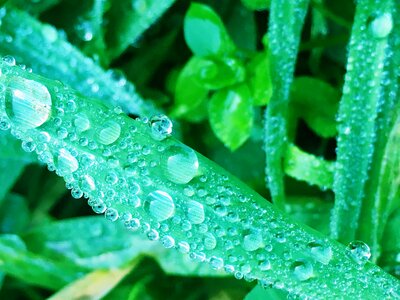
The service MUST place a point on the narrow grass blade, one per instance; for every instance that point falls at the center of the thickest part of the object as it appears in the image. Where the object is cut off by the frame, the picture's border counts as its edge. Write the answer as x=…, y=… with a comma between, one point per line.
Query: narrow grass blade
x=34, y=7
x=128, y=20
x=136, y=174
x=363, y=95
x=57, y=59
x=286, y=22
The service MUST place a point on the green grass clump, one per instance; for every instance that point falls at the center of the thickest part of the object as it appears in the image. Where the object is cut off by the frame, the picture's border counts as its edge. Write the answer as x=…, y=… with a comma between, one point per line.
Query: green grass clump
x=159, y=115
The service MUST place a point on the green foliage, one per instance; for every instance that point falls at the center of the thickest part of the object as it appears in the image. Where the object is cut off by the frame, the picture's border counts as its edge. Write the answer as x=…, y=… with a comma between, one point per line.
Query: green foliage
x=290, y=80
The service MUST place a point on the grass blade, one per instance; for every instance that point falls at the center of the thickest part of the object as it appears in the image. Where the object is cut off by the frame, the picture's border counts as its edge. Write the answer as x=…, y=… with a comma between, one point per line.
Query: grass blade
x=286, y=22
x=132, y=171
x=362, y=93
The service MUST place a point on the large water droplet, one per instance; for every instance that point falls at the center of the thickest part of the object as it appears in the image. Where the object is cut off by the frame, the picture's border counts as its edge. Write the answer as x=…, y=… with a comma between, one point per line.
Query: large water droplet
x=66, y=163
x=302, y=270
x=160, y=205
x=109, y=133
x=359, y=252
x=180, y=164
x=28, y=103
x=161, y=127
x=252, y=241
x=382, y=25
x=195, y=212
x=321, y=253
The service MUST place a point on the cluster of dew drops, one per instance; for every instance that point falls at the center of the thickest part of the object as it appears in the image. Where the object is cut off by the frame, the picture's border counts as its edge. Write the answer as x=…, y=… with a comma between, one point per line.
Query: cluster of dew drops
x=114, y=164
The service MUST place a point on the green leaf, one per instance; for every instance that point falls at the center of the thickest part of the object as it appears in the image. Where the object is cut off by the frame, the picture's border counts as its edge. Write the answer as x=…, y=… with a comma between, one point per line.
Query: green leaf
x=59, y=60
x=190, y=95
x=307, y=167
x=317, y=103
x=231, y=115
x=129, y=19
x=261, y=293
x=213, y=210
x=10, y=170
x=34, y=7
x=14, y=214
x=257, y=4
x=284, y=32
x=205, y=33
x=34, y=269
x=260, y=81
x=363, y=95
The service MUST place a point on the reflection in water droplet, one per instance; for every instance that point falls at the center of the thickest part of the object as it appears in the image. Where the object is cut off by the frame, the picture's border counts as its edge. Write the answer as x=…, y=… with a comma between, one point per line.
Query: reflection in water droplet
x=195, y=212
x=161, y=127
x=381, y=26
x=160, y=205
x=109, y=133
x=359, y=252
x=28, y=103
x=180, y=164
x=66, y=163
x=302, y=270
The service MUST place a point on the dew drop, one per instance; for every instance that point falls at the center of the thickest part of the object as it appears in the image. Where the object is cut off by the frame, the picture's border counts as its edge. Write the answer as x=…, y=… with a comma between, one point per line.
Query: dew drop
x=168, y=242
x=81, y=122
x=109, y=133
x=359, y=252
x=210, y=242
x=161, y=127
x=381, y=26
x=87, y=183
x=99, y=207
x=28, y=103
x=66, y=163
x=111, y=214
x=252, y=241
x=195, y=212
x=302, y=270
x=216, y=263
x=321, y=253
x=160, y=205
x=180, y=164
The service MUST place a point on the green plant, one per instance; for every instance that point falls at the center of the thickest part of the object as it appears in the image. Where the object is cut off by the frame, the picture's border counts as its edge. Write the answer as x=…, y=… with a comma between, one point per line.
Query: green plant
x=73, y=117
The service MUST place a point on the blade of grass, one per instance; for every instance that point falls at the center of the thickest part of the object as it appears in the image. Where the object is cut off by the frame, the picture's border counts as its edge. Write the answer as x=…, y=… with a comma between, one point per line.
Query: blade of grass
x=285, y=25
x=191, y=202
x=34, y=7
x=57, y=59
x=362, y=93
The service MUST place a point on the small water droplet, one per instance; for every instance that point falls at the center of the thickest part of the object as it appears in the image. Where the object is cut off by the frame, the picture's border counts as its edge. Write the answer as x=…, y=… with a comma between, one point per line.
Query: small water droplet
x=302, y=270
x=168, y=242
x=216, y=263
x=160, y=205
x=28, y=103
x=112, y=214
x=109, y=133
x=382, y=25
x=359, y=252
x=87, y=184
x=180, y=164
x=321, y=253
x=210, y=242
x=161, y=127
x=9, y=60
x=81, y=122
x=252, y=241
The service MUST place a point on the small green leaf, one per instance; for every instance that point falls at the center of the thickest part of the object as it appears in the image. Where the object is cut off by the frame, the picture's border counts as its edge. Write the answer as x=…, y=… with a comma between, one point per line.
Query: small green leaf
x=14, y=214
x=231, y=115
x=33, y=7
x=260, y=293
x=190, y=95
x=317, y=103
x=10, y=170
x=307, y=167
x=205, y=33
x=260, y=79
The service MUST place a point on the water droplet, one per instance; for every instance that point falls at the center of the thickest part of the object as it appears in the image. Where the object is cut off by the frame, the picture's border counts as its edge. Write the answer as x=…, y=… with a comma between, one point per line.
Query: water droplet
x=195, y=212
x=9, y=60
x=161, y=127
x=253, y=241
x=66, y=163
x=180, y=164
x=302, y=270
x=160, y=205
x=359, y=252
x=81, y=122
x=99, y=207
x=265, y=265
x=109, y=133
x=168, y=242
x=87, y=183
x=210, y=242
x=321, y=253
x=381, y=26
x=112, y=214
x=28, y=103
x=216, y=263
x=28, y=146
